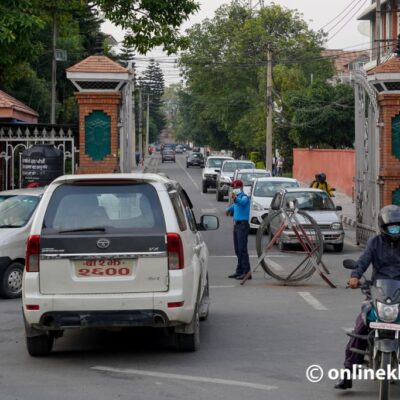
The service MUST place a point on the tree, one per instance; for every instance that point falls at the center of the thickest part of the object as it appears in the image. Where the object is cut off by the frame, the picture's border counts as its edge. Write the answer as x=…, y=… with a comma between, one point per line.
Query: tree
x=152, y=23
x=152, y=87
x=225, y=72
x=126, y=54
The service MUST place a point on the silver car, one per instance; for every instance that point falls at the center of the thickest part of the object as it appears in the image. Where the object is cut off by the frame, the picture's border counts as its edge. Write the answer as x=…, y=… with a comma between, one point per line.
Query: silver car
x=318, y=205
x=17, y=208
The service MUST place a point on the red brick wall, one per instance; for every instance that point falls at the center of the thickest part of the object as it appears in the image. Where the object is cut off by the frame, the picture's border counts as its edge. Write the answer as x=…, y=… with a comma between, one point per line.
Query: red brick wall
x=389, y=171
x=109, y=103
x=338, y=165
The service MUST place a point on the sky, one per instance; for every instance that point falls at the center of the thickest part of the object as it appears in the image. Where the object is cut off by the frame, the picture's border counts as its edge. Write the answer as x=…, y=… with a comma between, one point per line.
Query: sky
x=344, y=30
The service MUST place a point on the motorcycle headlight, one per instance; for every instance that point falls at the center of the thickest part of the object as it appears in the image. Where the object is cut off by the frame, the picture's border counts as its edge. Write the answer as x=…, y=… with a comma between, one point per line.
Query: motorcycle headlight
x=336, y=226
x=225, y=179
x=387, y=312
x=256, y=206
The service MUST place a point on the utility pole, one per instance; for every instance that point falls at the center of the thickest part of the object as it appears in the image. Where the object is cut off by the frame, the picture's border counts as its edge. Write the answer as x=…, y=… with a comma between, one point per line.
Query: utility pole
x=140, y=124
x=53, y=73
x=147, y=121
x=269, y=109
x=378, y=32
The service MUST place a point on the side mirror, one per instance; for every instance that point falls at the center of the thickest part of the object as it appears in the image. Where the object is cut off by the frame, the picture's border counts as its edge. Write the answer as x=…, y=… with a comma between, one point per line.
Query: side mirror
x=349, y=264
x=218, y=171
x=208, y=223
x=338, y=208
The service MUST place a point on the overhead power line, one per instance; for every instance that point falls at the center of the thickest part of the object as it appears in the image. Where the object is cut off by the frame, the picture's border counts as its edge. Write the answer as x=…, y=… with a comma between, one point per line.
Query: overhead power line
x=337, y=16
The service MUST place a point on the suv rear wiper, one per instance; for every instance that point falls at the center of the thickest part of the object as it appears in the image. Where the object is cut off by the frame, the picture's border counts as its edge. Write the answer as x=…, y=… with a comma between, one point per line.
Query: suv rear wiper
x=10, y=226
x=93, y=229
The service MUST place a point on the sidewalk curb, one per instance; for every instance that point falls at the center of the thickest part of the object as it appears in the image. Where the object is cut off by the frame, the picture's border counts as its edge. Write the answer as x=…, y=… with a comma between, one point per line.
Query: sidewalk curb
x=349, y=221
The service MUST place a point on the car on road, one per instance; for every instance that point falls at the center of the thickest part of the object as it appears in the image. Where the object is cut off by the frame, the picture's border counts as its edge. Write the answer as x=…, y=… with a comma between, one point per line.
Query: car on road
x=209, y=174
x=225, y=175
x=247, y=176
x=318, y=204
x=168, y=155
x=262, y=192
x=16, y=214
x=114, y=251
x=179, y=149
x=195, y=159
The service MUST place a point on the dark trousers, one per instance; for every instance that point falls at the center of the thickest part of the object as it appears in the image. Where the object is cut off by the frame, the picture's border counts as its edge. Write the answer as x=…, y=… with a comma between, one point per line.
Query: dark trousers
x=354, y=358
x=240, y=235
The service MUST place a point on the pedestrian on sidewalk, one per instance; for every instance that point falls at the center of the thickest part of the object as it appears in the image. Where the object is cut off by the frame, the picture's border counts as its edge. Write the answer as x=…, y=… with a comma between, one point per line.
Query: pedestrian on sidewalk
x=240, y=211
x=279, y=166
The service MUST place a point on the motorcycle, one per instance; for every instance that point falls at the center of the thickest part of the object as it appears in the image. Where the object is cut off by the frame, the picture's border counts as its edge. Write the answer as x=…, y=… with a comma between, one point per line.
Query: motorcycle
x=382, y=315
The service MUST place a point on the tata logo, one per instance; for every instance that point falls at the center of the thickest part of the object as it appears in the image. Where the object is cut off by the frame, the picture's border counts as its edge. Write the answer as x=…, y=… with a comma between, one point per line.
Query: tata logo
x=103, y=243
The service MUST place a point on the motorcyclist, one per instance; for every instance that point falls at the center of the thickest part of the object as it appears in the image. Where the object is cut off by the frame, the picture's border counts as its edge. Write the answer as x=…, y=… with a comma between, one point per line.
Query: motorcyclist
x=321, y=183
x=383, y=251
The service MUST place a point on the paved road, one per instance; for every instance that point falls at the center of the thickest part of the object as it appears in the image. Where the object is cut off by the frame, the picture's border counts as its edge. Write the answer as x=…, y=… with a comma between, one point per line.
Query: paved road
x=256, y=344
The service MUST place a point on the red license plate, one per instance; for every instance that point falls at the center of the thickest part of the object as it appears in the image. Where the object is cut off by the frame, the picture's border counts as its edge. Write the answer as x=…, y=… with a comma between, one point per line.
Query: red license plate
x=103, y=268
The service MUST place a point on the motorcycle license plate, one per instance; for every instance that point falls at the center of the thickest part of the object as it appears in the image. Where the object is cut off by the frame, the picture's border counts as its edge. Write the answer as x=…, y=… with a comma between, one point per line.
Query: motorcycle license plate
x=103, y=268
x=384, y=326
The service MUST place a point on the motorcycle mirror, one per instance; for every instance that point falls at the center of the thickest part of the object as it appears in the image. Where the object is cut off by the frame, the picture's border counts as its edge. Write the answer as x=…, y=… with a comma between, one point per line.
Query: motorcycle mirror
x=349, y=264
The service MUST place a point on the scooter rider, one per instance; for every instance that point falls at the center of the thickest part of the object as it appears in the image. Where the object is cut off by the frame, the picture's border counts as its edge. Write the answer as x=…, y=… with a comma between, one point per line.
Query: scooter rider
x=321, y=183
x=383, y=251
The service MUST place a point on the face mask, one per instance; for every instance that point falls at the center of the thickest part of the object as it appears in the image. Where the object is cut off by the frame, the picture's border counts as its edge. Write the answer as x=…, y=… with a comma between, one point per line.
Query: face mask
x=393, y=229
x=236, y=191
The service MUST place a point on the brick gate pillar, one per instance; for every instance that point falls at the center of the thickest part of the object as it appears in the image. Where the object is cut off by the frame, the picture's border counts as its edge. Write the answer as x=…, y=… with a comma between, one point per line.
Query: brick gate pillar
x=386, y=80
x=98, y=80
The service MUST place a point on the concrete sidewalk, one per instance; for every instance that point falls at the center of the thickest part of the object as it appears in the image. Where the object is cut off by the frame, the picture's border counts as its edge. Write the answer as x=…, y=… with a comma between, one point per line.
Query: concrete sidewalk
x=348, y=212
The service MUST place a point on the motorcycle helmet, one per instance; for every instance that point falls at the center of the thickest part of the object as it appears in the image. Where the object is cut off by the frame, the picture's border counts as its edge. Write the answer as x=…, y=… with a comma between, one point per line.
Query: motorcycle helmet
x=322, y=177
x=389, y=221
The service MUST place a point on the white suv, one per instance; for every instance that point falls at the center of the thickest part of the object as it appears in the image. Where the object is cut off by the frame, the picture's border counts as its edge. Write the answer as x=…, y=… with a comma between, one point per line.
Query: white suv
x=209, y=175
x=115, y=250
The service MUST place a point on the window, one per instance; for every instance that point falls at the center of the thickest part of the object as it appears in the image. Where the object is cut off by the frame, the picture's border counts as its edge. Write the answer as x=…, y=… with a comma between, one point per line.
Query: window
x=118, y=207
x=268, y=189
x=15, y=211
x=188, y=211
x=179, y=212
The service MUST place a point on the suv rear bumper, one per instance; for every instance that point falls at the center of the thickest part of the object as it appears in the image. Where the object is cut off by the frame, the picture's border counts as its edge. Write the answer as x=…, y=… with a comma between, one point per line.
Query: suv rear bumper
x=58, y=320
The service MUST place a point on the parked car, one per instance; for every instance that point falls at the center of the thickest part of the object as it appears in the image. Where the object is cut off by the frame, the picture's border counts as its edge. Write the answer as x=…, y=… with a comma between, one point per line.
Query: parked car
x=115, y=250
x=209, y=174
x=225, y=175
x=262, y=192
x=195, y=159
x=179, y=149
x=318, y=205
x=247, y=176
x=16, y=214
x=168, y=155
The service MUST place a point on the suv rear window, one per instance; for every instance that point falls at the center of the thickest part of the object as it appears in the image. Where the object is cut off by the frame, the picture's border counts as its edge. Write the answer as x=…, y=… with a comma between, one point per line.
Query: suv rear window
x=115, y=207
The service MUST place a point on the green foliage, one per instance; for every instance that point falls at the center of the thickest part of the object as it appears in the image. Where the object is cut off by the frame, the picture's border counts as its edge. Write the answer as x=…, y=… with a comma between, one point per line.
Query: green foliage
x=224, y=101
x=152, y=23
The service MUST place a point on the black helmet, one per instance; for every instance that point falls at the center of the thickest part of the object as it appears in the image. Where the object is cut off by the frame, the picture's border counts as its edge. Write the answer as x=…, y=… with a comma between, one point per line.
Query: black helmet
x=389, y=215
x=322, y=177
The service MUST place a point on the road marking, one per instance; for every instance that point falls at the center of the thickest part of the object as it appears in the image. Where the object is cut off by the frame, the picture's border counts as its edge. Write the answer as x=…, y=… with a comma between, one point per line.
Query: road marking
x=222, y=286
x=255, y=256
x=184, y=377
x=310, y=299
x=187, y=173
x=209, y=210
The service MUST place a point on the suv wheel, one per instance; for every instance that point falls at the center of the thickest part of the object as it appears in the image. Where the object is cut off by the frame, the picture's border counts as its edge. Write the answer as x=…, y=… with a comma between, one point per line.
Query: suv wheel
x=39, y=345
x=205, y=187
x=11, y=281
x=220, y=196
x=188, y=342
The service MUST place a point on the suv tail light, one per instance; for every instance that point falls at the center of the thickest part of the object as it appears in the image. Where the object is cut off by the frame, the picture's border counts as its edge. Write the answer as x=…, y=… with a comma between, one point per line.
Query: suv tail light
x=33, y=253
x=175, y=251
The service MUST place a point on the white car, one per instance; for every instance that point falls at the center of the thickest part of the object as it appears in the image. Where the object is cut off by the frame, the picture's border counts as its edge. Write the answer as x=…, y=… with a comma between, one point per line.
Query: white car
x=225, y=175
x=16, y=215
x=115, y=250
x=209, y=174
x=262, y=192
x=248, y=176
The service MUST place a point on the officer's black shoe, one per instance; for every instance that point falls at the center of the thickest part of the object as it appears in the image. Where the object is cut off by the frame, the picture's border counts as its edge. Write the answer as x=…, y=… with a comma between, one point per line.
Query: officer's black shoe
x=234, y=276
x=344, y=384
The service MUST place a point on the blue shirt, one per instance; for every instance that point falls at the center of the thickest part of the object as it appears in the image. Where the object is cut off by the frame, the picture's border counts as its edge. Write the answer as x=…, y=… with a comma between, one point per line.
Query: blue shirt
x=240, y=208
x=384, y=256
